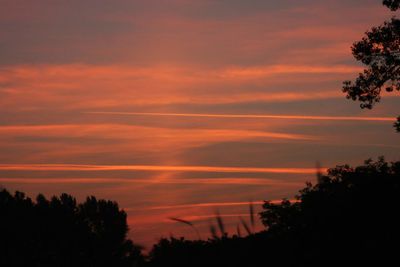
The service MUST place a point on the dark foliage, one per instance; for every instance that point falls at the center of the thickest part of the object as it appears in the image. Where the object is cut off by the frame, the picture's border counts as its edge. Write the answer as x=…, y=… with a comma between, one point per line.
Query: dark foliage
x=392, y=4
x=60, y=232
x=379, y=50
x=397, y=124
x=349, y=218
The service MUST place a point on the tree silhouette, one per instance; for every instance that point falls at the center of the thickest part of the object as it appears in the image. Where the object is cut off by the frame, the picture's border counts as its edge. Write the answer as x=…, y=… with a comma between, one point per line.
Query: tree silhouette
x=392, y=4
x=60, y=232
x=379, y=50
x=348, y=218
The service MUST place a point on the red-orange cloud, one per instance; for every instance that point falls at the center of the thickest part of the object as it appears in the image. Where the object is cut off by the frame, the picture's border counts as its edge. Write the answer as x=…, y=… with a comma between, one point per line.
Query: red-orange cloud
x=251, y=116
x=79, y=167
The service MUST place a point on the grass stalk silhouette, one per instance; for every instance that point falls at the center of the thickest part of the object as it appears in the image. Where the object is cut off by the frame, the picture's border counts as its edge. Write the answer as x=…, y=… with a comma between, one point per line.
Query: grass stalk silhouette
x=252, y=215
x=213, y=231
x=190, y=224
x=239, y=233
x=221, y=225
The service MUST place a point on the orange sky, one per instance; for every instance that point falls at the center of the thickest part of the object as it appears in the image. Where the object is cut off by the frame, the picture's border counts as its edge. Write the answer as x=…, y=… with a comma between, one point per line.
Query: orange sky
x=181, y=108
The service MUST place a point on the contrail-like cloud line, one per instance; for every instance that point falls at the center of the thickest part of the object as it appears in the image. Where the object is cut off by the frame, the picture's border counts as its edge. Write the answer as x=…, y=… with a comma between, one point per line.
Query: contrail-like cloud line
x=213, y=204
x=199, y=181
x=248, y=116
x=208, y=204
x=79, y=167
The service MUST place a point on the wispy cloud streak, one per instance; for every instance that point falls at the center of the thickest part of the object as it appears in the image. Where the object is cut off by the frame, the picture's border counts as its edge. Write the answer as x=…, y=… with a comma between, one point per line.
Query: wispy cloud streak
x=204, y=181
x=202, y=205
x=124, y=131
x=81, y=167
x=249, y=116
x=213, y=204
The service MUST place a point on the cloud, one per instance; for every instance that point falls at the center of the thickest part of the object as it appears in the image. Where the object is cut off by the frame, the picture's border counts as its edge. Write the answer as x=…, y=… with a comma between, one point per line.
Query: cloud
x=80, y=167
x=179, y=181
x=250, y=116
x=121, y=142
x=258, y=83
x=212, y=204
x=124, y=131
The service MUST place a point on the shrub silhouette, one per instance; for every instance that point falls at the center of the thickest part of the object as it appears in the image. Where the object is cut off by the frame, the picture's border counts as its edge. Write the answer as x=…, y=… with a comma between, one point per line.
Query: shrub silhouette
x=60, y=232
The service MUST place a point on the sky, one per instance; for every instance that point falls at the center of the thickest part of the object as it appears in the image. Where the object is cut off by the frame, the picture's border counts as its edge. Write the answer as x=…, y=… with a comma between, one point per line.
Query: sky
x=183, y=108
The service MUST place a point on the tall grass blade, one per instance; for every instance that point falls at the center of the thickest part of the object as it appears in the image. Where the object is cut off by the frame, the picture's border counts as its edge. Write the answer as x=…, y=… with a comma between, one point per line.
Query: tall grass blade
x=239, y=233
x=213, y=231
x=245, y=225
x=187, y=223
x=221, y=225
x=318, y=171
x=252, y=215
x=181, y=221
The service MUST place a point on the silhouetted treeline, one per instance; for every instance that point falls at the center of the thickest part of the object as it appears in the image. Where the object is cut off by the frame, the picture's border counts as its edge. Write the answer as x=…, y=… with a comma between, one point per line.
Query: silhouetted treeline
x=350, y=217
x=60, y=232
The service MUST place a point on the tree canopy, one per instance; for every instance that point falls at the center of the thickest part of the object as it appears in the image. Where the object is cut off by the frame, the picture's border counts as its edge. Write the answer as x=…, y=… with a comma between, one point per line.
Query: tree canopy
x=349, y=215
x=379, y=50
x=61, y=232
x=392, y=4
x=348, y=218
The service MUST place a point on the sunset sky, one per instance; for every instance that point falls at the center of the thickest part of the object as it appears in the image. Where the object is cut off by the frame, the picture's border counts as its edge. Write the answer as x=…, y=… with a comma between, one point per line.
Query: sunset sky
x=181, y=108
